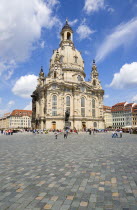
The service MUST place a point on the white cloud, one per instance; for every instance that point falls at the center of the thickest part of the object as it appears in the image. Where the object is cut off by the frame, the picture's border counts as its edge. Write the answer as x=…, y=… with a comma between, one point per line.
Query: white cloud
x=7, y=108
x=11, y=103
x=84, y=31
x=106, y=96
x=134, y=98
x=8, y=75
x=86, y=52
x=110, y=9
x=42, y=44
x=0, y=100
x=93, y=5
x=123, y=35
x=25, y=85
x=21, y=23
x=126, y=78
x=72, y=23
x=28, y=107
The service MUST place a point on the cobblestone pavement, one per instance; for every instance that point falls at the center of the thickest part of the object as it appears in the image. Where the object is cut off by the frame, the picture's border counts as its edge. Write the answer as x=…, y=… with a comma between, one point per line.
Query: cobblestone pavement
x=81, y=172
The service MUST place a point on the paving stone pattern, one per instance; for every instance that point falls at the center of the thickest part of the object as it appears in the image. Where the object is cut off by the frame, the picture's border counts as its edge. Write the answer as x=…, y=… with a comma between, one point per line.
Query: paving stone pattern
x=81, y=172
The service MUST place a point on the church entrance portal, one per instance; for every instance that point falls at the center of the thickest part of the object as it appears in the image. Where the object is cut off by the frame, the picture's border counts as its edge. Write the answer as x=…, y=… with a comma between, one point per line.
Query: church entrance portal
x=84, y=125
x=54, y=125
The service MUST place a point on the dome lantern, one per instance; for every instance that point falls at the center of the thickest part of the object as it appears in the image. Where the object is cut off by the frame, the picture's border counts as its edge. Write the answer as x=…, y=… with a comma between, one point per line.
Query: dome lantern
x=66, y=33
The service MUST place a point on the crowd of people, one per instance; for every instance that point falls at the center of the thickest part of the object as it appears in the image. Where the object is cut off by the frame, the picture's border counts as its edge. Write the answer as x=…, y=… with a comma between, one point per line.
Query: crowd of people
x=7, y=132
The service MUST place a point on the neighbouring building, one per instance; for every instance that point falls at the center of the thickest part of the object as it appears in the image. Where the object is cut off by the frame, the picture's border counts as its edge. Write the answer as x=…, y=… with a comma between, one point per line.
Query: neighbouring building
x=107, y=116
x=4, y=121
x=134, y=116
x=124, y=115
x=16, y=119
x=118, y=115
x=65, y=89
x=128, y=114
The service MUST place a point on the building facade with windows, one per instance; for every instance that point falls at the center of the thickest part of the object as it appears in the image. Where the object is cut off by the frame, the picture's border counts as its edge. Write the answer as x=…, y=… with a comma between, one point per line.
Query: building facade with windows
x=124, y=115
x=16, y=119
x=118, y=115
x=108, y=116
x=65, y=88
x=134, y=116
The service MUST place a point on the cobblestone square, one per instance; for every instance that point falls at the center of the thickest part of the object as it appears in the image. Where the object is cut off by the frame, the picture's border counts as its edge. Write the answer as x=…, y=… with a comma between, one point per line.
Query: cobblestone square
x=81, y=172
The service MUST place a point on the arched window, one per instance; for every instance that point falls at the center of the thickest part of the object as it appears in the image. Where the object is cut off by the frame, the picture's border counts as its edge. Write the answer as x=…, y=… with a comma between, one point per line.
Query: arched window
x=68, y=36
x=94, y=82
x=95, y=124
x=55, y=74
x=54, y=105
x=93, y=103
x=68, y=103
x=93, y=108
x=83, y=107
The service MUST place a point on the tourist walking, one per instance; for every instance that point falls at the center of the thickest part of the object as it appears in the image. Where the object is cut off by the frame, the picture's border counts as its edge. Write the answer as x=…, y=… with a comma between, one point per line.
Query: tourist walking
x=65, y=134
x=120, y=133
x=56, y=134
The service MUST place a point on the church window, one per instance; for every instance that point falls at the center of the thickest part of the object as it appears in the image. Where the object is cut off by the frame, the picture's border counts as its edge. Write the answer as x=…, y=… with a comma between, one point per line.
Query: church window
x=76, y=59
x=82, y=88
x=93, y=108
x=94, y=82
x=93, y=103
x=95, y=124
x=68, y=36
x=54, y=105
x=61, y=59
x=54, y=86
x=83, y=107
x=79, y=78
x=68, y=103
x=55, y=75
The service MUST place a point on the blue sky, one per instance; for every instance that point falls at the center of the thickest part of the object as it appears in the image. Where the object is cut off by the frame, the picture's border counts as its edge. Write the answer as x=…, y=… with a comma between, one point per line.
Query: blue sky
x=105, y=30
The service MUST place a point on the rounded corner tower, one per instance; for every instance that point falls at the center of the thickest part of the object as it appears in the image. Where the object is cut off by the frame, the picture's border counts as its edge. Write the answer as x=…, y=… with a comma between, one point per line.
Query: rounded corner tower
x=65, y=89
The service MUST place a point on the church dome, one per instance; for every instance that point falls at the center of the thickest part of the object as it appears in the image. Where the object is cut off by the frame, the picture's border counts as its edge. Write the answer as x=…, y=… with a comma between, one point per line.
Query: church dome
x=69, y=57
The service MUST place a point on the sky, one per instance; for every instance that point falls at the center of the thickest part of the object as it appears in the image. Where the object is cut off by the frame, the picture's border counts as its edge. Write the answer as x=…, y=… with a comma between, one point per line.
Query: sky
x=104, y=30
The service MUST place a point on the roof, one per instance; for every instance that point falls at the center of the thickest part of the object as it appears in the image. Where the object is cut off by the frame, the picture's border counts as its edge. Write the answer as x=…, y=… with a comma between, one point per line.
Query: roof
x=19, y=112
x=67, y=26
x=130, y=104
x=107, y=108
x=118, y=107
x=134, y=108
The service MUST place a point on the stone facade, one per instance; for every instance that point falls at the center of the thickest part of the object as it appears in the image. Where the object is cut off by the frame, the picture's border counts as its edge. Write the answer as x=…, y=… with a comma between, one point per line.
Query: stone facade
x=65, y=88
x=108, y=117
x=16, y=119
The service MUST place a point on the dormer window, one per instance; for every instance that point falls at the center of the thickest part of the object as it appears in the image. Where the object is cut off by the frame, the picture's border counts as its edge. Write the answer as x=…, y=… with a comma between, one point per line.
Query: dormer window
x=79, y=78
x=54, y=86
x=76, y=59
x=94, y=82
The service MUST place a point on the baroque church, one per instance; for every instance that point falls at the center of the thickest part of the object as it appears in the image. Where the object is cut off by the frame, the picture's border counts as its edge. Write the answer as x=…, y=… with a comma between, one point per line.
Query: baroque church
x=65, y=89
